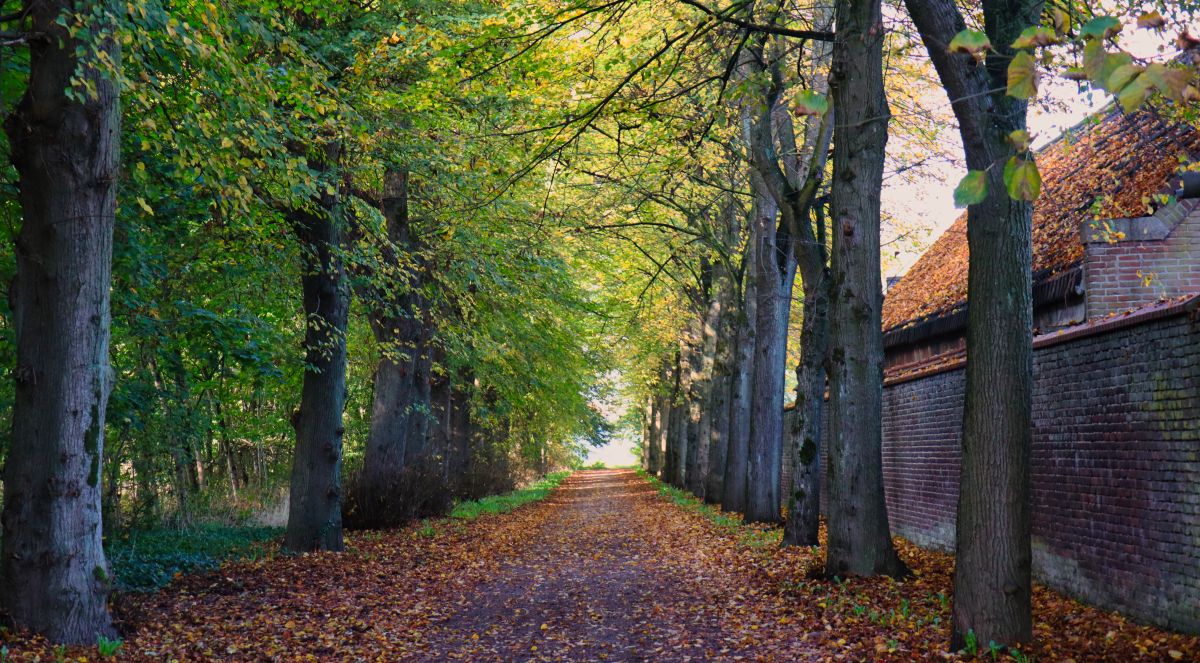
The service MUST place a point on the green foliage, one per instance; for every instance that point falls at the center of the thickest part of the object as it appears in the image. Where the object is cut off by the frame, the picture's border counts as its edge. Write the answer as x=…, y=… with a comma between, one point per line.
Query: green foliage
x=1022, y=179
x=497, y=504
x=754, y=537
x=149, y=559
x=971, y=643
x=108, y=648
x=811, y=103
x=971, y=42
x=1022, y=76
x=972, y=189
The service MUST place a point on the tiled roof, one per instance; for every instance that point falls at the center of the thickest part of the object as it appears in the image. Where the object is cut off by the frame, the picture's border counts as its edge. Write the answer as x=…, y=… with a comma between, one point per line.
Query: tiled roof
x=1104, y=168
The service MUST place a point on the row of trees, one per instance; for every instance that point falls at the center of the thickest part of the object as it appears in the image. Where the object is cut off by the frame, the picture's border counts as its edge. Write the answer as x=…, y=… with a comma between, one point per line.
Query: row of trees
x=387, y=255
x=271, y=252
x=713, y=409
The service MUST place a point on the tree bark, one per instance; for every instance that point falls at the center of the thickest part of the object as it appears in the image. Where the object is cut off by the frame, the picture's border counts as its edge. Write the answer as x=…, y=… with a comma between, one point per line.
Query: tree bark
x=722, y=374
x=804, y=495
x=789, y=174
x=993, y=557
x=775, y=273
x=53, y=573
x=701, y=392
x=658, y=424
x=315, y=507
x=671, y=456
x=859, y=537
x=401, y=321
x=461, y=431
x=738, y=451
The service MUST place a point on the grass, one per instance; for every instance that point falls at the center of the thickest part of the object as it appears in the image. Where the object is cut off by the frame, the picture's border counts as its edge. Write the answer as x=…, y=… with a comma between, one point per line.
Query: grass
x=145, y=560
x=497, y=504
x=753, y=536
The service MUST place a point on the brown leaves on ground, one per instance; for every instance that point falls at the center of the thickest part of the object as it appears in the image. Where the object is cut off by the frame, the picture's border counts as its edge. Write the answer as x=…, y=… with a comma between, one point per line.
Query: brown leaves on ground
x=604, y=569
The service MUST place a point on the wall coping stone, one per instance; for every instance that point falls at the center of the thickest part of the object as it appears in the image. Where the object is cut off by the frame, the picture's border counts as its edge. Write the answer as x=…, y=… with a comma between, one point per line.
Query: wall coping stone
x=1153, y=228
x=950, y=361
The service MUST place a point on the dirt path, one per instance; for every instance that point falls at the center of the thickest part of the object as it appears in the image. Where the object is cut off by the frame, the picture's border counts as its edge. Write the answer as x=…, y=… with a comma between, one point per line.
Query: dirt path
x=604, y=569
x=603, y=577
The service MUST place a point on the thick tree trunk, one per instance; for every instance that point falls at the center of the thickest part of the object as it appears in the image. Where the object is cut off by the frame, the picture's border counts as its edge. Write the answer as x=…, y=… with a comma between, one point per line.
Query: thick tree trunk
x=685, y=429
x=53, y=574
x=701, y=394
x=993, y=557
x=720, y=383
x=775, y=272
x=315, y=508
x=400, y=320
x=671, y=439
x=658, y=430
x=804, y=498
x=737, y=455
x=859, y=537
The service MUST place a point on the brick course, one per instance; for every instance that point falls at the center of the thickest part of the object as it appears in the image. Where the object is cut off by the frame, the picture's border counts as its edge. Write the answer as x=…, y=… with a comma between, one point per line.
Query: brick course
x=1129, y=263
x=1115, y=464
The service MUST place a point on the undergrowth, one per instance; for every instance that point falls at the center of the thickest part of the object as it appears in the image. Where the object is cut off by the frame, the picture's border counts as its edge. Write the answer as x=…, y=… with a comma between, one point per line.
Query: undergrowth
x=497, y=504
x=754, y=536
x=145, y=560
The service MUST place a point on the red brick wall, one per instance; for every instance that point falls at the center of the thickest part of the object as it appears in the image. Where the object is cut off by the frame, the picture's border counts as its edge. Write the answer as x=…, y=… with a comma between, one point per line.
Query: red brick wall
x=1116, y=462
x=1129, y=263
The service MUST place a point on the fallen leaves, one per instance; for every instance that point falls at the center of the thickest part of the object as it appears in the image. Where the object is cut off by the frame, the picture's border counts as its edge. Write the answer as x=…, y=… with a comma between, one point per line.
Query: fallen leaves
x=603, y=569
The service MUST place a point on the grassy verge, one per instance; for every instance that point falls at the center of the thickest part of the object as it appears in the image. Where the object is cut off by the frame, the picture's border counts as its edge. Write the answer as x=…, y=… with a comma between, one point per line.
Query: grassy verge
x=497, y=504
x=751, y=535
x=145, y=560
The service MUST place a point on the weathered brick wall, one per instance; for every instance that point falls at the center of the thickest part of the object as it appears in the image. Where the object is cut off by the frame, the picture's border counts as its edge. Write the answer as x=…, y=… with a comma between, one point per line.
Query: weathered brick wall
x=1116, y=462
x=1129, y=263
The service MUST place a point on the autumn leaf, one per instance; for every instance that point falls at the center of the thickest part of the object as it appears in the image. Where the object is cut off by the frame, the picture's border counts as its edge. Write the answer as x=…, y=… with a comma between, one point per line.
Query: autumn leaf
x=1062, y=20
x=1022, y=76
x=1022, y=179
x=971, y=42
x=1020, y=140
x=1132, y=95
x=810, y=103
x=972, y=189
x=1101, y=27
x=1121, y=76
x=1151, y=20
x=1034, y=37
x=1170, y=81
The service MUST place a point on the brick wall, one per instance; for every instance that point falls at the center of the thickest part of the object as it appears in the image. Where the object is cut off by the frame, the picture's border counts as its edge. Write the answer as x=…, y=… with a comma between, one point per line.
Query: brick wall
x=1129, y=263
x=1116, y=461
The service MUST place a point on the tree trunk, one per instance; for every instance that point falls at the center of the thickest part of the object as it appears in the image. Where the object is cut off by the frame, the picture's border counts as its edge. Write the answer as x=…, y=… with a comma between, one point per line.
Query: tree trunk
x=315, y=507
x=859, y=537
x=993, y=557
x=701, y=394
x=775, y=272
x=671, y=431
x=720, y=383
x=741, y=384
x=804, y=498
x=53, y=574
x=400, y=319
x=658, y=430
x=681, y=412
x=461, y=431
